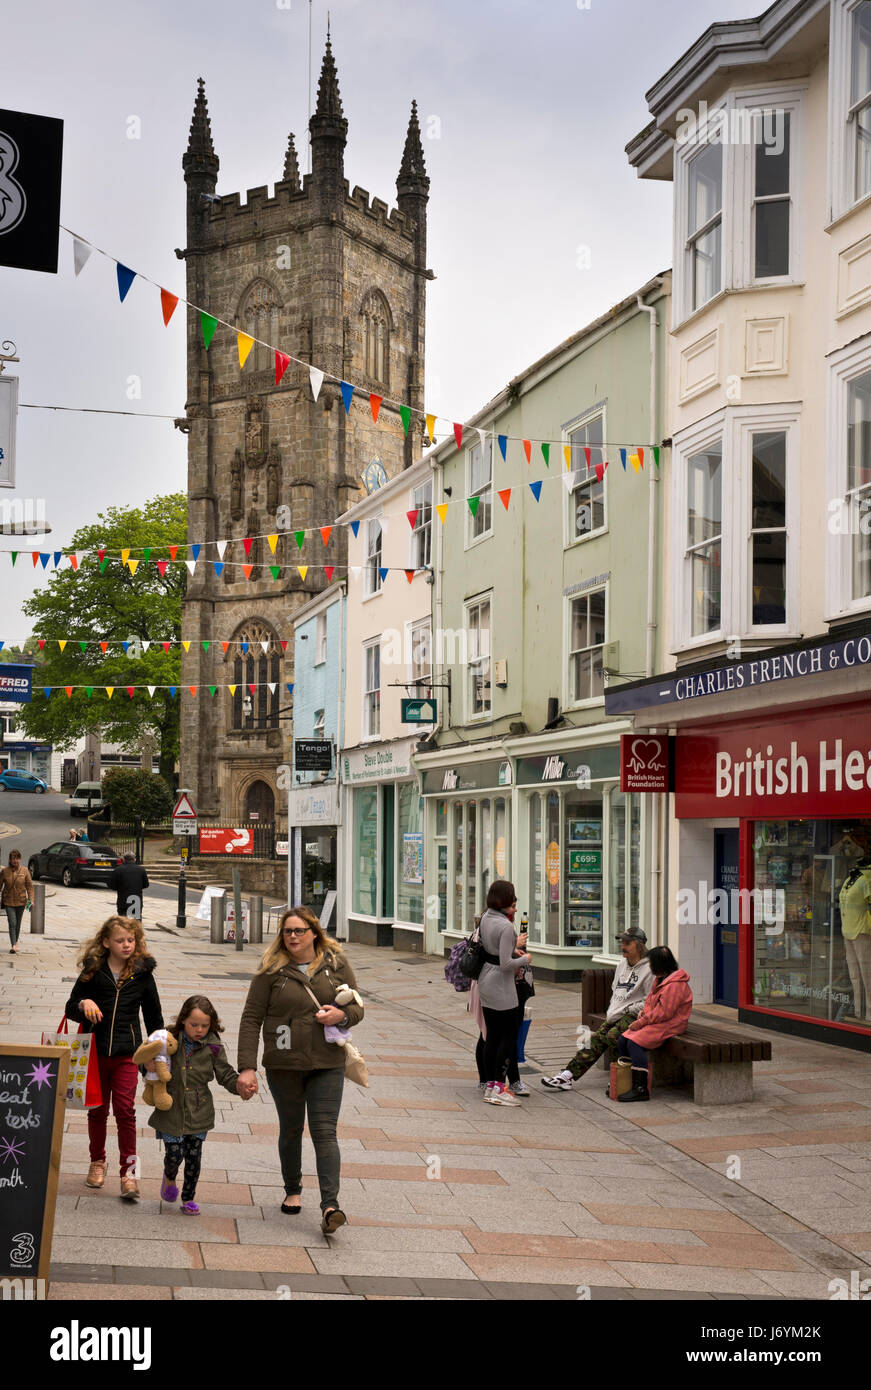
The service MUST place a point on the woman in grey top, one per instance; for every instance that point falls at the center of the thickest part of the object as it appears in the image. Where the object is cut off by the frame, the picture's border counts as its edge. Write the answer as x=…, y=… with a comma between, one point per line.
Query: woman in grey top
x=496, y=986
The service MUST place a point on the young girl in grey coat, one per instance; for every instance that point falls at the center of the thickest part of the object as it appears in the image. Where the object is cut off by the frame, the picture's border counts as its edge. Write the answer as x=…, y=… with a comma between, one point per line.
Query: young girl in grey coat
x=496, y=986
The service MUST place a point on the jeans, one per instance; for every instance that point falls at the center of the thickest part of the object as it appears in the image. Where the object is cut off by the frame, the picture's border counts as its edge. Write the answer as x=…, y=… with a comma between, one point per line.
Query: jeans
x=510, y=1068
x=14, y=916
x=119, y=1077
x=320, y=1094
x=637, y=1054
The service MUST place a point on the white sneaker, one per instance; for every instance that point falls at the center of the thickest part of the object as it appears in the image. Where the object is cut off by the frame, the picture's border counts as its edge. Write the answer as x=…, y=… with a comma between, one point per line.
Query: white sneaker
x=503, y=1095
x=489, y=1088
x=557, y=1083
x=520, y=1088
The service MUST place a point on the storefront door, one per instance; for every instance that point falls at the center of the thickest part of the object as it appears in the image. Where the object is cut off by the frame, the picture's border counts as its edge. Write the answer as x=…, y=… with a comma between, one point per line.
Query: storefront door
x=726, y=933
x=318, y=864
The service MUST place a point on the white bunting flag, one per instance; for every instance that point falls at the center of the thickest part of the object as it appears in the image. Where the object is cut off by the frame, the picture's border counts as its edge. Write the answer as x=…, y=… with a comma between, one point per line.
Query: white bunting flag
x=316, y=377
x=221, y=546
x=569, y=480
x=191, y=564
x=146, y=645
x=81, y=255
x=482, y=435
x=356, y=571
x=151, y=689
x=271, y=687
x=264, y=645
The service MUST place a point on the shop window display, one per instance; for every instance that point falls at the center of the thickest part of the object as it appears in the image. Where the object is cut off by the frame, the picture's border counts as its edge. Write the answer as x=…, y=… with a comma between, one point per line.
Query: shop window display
x=812, y=918
x=365, y=878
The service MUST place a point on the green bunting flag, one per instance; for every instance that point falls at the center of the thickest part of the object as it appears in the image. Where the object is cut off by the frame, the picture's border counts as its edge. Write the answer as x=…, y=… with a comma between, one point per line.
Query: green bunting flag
x=405, y=416
x=473, y=504
x=206, y=646
x=656, y=454
x=208, y=325
x=213, y=689
x=545, y=449
x=299, y=537
x=275, y=571
x=146, y=555
x=89, y=690
x=14, y=556
x=84, y=646
x=103, y=565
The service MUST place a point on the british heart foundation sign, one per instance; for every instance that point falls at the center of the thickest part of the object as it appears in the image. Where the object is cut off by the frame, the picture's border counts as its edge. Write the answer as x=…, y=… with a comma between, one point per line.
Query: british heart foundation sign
x=644, y=762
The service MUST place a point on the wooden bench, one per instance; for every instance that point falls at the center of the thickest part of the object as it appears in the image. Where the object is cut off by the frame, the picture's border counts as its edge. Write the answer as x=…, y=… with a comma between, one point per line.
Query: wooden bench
x=718, y=1061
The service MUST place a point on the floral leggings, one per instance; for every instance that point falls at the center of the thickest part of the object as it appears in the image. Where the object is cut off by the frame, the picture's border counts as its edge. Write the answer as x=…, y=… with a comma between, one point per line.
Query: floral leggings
x=189, y=1148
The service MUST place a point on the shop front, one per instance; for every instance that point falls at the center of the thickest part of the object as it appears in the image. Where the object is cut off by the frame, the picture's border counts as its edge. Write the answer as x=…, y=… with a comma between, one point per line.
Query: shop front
x=385, y=845
x=556, y=824
x=313, y=868
x=798, y=788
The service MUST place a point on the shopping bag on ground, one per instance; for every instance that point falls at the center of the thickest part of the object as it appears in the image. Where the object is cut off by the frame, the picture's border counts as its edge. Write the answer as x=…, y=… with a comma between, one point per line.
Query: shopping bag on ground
x=620, y=1078
x=523, y=1034
x=83, y=1079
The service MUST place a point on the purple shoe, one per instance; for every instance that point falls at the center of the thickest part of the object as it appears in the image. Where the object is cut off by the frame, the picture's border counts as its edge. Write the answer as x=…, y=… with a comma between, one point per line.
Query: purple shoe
x=190, y=1208
x=168, y=1190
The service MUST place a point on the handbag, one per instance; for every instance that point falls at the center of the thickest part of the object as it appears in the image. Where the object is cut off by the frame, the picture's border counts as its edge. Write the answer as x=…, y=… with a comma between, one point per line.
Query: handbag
x=474, y=958
x=355, y=1062
x=84, y=1091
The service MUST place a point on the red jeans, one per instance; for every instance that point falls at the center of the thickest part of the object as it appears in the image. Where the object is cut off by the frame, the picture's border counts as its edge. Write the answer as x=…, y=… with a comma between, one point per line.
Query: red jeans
x=119, y=1077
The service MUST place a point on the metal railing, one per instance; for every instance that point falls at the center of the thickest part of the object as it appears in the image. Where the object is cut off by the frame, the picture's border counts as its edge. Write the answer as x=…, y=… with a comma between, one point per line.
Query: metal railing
x=132, y=838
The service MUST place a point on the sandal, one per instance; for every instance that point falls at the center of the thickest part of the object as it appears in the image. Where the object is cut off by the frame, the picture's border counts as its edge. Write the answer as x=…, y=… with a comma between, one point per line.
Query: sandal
x=332, y=1220
x=190, y=1208
x=292, y=1211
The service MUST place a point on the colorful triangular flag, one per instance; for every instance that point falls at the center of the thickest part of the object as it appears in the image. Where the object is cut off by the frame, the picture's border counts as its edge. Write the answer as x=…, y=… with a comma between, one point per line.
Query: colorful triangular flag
x=126, y=276
x=244, y=344
x=208, y=325
x=316, y=377
x=282, y=362
x=168, y=304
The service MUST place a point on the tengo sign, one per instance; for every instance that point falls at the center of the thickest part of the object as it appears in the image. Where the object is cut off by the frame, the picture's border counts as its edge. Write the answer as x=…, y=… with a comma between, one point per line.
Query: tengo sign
x=819, y=765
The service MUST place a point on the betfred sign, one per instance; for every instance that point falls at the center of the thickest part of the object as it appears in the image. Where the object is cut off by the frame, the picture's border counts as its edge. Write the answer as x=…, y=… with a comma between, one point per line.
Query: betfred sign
x=229, y=841
x=817, y=766
x=644, y=763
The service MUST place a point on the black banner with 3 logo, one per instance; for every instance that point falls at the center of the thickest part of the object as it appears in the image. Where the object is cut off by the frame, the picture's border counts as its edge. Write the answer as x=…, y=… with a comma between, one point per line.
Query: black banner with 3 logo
x=31, y=155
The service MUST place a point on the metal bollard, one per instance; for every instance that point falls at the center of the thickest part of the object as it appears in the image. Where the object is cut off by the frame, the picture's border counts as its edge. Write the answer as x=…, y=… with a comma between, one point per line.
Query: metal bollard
x=255, y=919
x=37, y=911
x=217, y=910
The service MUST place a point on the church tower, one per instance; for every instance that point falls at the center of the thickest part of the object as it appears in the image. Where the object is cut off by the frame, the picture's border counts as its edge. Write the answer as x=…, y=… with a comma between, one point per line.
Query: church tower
x=338, y=280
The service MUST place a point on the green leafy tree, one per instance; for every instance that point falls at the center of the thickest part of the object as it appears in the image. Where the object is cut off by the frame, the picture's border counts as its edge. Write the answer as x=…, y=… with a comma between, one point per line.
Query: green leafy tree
x=105, y=601
x=134, y=794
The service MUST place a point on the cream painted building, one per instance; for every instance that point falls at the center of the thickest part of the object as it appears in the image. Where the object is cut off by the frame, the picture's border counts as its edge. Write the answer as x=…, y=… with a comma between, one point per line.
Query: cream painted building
x=388, y=657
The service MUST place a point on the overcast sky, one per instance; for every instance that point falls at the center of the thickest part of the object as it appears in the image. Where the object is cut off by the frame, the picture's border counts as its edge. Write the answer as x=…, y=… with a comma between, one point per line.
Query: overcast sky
x=525, y=105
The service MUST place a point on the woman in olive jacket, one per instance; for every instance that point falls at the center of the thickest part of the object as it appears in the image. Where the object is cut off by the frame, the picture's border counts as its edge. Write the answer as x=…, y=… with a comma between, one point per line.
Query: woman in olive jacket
x=304, y=1071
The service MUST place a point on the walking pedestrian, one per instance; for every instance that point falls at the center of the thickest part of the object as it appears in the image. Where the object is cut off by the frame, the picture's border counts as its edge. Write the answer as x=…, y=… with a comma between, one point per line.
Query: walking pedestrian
x=291, y=1001
x=665, y=1014
x=199, y=1060
x=16, y=895
x=116, y=981
x=497, y=988
x=129, y=881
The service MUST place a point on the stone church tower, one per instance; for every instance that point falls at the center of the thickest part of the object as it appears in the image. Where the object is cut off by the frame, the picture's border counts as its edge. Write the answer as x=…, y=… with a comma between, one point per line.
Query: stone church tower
x=336, y=279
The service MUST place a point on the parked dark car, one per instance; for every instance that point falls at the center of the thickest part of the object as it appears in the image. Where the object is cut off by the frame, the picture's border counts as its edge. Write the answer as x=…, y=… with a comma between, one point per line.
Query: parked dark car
x=74, y=863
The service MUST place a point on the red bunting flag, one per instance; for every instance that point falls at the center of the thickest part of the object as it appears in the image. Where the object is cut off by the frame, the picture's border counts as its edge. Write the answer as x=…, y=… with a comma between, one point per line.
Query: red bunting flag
x=412, y=517
x=505, y=497
x=588, y=453
x=253, y=689
x=41, y=643
x=69, y=690
x=375, y=405
x=326, y=532
x=74, y=561
x=284, y=645
x=225, y=645
x=282, y=362
x=173, y=551
x=130, y=689
x=329, y=571
x=458, y=435
x=640, y=452
x=35, y=554
x=101, y=555
x=192, y=689
x=167, y=303
x=161, y=567
x=600, y=471
x=165, y=646
x=409, y=574
x=246, y=546
x=104, y=646
x=527, y=449
x=246, y=570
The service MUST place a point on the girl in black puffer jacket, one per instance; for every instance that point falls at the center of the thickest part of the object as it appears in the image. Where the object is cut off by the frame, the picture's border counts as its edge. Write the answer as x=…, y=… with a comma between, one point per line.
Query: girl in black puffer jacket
x=117, y=980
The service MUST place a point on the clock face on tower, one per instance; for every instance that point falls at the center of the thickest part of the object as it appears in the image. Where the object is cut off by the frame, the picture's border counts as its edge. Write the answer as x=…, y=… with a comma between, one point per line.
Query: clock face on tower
x=374, y=475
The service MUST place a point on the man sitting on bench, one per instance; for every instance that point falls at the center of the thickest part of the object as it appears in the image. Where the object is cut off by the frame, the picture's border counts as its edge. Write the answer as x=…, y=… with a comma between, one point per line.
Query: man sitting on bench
x=631, y=985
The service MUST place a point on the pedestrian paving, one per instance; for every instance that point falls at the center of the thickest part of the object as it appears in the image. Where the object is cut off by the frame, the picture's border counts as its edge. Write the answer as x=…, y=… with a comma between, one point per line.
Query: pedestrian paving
x=567, y=1196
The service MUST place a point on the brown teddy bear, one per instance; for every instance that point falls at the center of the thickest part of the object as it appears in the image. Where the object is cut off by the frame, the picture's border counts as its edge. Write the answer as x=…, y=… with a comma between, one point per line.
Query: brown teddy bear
x=155, y=1054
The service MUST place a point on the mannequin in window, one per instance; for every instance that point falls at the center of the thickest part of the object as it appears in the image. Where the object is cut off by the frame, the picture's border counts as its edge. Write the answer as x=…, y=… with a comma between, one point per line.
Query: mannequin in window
x=855, y=903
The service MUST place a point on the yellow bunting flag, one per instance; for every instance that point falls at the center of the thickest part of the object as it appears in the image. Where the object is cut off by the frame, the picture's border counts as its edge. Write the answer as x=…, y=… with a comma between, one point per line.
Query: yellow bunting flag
x=125, y=556
x=245, y=343
x=132, y=565
x=273, y=542
x=430, y=427
x=442, y=510
x=110, y=690
x=567, y=454
x=232, y=689
x=302, y=571
x=61, y=641
x=187, y=646
x=635, y=461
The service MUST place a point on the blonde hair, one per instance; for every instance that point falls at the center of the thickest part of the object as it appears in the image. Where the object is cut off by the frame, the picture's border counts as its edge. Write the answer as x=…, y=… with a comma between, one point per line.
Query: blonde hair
x=95, y=951
x=276, y=957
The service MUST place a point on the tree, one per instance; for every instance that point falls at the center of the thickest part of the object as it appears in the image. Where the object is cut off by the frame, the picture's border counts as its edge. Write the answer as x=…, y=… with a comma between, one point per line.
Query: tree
x=134, y=794
x=104, y=601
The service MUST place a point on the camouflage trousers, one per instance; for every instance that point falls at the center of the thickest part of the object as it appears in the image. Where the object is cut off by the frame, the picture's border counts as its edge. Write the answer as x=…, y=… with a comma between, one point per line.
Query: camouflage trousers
x=604, y=1039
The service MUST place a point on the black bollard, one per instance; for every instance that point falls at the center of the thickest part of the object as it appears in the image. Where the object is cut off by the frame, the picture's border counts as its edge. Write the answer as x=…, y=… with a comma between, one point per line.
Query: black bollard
x=181, y=918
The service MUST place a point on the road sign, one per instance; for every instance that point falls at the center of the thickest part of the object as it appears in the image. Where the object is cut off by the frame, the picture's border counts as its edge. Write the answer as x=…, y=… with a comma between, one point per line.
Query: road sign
x=184, y=807
x=183, y=826
x=419, y=711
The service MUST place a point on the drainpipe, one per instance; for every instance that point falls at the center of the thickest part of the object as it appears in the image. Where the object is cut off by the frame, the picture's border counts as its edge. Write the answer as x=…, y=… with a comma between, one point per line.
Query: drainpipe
x=657, y=908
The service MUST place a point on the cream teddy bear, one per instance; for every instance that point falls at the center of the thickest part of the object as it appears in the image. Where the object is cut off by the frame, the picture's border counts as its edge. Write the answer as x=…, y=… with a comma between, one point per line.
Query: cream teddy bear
x=344, y=996
x=155, y=1054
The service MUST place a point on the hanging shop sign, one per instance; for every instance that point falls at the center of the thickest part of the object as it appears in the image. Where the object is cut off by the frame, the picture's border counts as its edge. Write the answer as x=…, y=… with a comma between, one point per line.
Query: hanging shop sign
x=818, y=765
x=31, y=155
x=313, y=754
x=8, y=420
x=645, y=763
x=16, y=684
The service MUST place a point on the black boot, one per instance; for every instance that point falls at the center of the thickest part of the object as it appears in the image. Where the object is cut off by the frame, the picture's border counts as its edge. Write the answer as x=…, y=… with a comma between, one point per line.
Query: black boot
x=639, y=1090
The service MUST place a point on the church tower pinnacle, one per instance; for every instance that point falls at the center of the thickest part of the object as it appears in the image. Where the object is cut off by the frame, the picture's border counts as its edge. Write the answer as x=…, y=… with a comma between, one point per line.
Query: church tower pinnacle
x=329, y=131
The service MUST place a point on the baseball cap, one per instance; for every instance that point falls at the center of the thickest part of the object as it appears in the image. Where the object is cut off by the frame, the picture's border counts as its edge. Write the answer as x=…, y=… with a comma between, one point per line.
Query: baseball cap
x=634, y=934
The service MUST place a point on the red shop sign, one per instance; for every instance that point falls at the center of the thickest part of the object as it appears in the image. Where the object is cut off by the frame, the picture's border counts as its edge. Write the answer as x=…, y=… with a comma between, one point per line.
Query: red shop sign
x=644, y=763
x=819, y=765
x=229, y=841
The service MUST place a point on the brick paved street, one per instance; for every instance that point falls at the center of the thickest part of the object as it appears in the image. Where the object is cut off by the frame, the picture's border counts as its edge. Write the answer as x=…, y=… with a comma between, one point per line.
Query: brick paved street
x=447, y=1198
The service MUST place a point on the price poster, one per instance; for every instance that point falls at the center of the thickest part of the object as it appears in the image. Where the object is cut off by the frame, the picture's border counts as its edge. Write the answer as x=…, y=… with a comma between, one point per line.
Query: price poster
x=33, y=1085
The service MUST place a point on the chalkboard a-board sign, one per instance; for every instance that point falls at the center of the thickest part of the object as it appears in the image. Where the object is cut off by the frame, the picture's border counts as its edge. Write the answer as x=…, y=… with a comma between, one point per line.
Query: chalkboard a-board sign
x=33, y=1087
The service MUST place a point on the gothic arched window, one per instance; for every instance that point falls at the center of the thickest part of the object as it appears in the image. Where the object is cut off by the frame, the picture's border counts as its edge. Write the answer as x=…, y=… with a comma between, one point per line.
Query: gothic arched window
x=258, y=316
x=377, y=319
x=256, y=655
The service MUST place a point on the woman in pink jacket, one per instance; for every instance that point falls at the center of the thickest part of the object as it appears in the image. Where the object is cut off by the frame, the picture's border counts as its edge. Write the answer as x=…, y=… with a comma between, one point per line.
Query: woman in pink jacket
x=665, y=1014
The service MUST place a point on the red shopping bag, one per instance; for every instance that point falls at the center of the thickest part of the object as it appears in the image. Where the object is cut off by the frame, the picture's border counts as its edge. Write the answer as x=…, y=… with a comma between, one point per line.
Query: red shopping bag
x=84, y=1091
